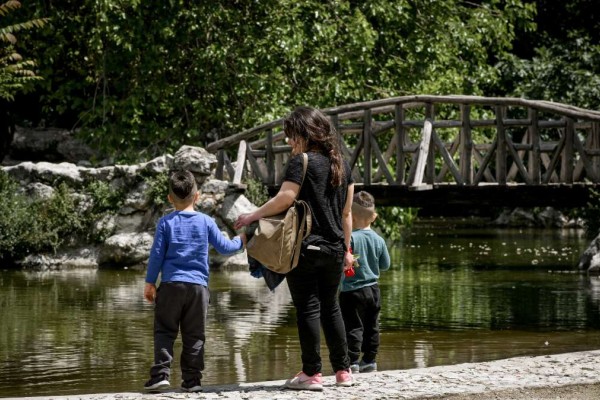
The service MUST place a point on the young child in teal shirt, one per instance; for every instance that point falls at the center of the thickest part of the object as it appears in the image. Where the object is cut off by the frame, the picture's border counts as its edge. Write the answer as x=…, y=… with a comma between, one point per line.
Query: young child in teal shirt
x=360, y=298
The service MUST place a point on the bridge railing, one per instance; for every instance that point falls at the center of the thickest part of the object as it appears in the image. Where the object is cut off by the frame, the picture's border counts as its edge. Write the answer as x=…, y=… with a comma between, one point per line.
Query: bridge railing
x=424, y=141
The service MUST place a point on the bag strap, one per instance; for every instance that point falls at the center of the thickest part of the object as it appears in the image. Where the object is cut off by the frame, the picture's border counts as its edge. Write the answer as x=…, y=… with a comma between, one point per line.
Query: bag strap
x=304, y=168
x=303, y=230
x=306, y=222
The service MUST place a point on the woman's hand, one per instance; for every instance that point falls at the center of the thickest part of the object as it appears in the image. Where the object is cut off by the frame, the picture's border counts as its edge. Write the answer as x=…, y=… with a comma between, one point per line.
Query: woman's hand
x=244, y=220
x=348, y=260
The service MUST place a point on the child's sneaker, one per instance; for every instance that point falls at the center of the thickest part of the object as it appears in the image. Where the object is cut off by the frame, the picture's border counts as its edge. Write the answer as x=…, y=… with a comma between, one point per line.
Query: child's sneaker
x=191, y=385
x=344, y=377
x=367, y=367
x=304, y=382
x=157, y=382
x=355, y=368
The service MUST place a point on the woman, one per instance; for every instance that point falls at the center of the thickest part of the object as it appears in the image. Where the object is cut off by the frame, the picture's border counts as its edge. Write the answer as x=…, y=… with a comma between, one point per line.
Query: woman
x=328, y=189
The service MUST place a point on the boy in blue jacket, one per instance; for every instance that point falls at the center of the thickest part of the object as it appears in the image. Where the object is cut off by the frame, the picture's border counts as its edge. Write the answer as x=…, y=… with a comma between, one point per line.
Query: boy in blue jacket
x=360, y=298
x=180, y=255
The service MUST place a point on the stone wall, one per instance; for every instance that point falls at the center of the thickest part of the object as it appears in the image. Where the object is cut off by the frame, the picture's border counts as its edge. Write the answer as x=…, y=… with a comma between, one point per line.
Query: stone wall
x=133, y=225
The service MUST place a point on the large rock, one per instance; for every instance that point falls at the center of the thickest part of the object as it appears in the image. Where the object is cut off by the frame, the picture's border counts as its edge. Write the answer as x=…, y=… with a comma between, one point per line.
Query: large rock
x=125, y=249
x=127, y=234
x=54, y=145
x=590, y=259
x=195, y=159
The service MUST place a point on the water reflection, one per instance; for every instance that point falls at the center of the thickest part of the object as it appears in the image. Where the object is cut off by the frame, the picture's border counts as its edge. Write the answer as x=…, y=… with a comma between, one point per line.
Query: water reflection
x=451, y=296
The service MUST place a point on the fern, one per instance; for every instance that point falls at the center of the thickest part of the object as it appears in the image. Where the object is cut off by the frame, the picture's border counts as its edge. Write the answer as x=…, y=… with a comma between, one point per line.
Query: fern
x=15, y=74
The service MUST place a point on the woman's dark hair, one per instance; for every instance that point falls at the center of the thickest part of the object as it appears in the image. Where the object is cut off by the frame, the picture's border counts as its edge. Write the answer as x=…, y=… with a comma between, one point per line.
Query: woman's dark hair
x=316, y=130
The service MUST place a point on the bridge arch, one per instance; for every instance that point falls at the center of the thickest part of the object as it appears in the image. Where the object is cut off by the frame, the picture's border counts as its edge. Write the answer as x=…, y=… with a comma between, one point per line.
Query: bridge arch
x=444, y=150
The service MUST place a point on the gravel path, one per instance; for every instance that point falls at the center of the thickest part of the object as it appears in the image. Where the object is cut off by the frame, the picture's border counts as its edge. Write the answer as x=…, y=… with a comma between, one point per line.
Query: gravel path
x=572, y=376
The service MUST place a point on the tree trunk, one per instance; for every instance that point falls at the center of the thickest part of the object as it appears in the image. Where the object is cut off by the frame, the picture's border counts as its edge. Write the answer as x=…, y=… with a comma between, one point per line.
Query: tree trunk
x=7, y=129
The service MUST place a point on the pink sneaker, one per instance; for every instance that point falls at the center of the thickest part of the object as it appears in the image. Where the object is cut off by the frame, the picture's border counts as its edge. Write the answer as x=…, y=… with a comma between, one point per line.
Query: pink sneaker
x=304, y=382
x=344, y=377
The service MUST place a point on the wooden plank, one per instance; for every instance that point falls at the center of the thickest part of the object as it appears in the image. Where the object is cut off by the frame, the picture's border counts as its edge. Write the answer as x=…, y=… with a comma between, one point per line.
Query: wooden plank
x=400, y=137
x=270, y=158
x=382, y=163
x=535, y=169
x=229, y=167
x=466, y=145
x=512, y=173
x=584, y=159
x=516, y=159
x=546, y=164
x=367, y=134
x=220, y=164
x=447, y=158
x=350, y=157
x=412, y=171
x=554, y=160
x=501, y=149
x=483, y=167
x=387, y=155
x=566, y=169
x=430, y=171
x=594, y=148
x=422, y=155
x=240, y=162
x=258, y=171
x=453, y=149
x=486, y=172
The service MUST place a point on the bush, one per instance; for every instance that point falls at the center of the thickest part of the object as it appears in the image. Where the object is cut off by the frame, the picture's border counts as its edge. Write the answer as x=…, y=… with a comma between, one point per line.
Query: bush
x=30, y=228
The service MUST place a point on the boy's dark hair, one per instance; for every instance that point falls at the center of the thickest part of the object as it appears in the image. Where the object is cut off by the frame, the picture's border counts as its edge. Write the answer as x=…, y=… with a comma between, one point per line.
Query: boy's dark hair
x=363, y=204
x=182, y=184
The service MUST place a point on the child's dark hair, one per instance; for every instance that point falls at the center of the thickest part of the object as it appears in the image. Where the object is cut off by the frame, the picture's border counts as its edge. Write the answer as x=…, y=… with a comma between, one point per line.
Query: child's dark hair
x=363, y=204
x=182, y=184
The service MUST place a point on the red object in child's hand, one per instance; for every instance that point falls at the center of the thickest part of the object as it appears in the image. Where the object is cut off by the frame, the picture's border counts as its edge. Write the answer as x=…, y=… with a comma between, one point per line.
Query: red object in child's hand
x=349, y=272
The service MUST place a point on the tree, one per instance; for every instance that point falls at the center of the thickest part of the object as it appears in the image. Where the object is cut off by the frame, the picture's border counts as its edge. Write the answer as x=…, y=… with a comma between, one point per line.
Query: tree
x=149, y=76
x=15, y=73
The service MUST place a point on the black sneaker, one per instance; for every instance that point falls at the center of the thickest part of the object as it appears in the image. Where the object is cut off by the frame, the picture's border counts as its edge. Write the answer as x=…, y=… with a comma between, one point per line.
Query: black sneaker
x=191, y=385
x=158, y=382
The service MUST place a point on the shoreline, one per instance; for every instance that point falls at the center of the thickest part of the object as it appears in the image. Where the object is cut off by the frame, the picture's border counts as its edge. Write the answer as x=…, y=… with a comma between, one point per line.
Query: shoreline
x=570, y=376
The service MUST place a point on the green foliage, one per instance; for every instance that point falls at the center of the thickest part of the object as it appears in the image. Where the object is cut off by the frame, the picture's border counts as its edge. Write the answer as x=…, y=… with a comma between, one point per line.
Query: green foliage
x=172, y=72
x=158, y=189
x=57, y=220
x=256, y=192
x=45, y=226
x=392, y=220
x=16, y=74
x=567, y=73
x=15, y=220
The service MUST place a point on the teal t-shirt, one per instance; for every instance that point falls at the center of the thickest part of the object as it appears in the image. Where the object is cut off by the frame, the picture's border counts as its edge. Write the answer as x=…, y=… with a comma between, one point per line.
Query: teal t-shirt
x=373, y=258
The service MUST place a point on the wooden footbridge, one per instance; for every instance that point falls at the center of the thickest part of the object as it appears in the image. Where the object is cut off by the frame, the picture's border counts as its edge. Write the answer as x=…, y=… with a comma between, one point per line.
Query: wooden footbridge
x=418, y=151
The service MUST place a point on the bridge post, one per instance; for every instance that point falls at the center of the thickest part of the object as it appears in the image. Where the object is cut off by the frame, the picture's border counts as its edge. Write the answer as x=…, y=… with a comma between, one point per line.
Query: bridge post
x=566, y=169
x=501, y=148
x=220, y=164
x=595, y=148
x=270, y=158
x=466, y=145
x=430, y=176
x=536, y=153
x=367, y=146
x=400, y=139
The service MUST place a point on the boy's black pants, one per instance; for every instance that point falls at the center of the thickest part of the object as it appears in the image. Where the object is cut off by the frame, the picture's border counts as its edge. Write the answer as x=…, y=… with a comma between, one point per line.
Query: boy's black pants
x=360, y=309
x=180, y=305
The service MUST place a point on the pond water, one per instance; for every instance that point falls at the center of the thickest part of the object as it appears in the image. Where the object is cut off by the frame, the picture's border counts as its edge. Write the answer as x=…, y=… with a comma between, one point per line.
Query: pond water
x=453, y=295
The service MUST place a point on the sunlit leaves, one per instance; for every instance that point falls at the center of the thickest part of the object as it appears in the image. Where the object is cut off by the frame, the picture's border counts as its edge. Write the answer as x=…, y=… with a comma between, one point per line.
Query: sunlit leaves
x=153, y=75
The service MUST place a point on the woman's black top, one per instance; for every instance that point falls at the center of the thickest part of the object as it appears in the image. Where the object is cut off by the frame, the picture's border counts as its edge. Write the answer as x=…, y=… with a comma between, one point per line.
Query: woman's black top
x=325, y=200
